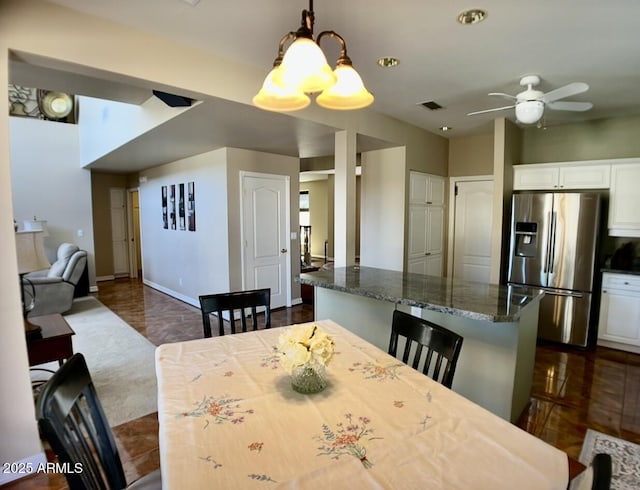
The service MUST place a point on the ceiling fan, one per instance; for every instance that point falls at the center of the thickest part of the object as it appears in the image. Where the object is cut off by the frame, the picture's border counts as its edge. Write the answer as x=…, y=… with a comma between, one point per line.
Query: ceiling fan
x=530, y=103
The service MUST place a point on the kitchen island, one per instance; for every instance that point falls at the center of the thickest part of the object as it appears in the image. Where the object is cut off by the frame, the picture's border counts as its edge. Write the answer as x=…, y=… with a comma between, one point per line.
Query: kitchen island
x=498, y=323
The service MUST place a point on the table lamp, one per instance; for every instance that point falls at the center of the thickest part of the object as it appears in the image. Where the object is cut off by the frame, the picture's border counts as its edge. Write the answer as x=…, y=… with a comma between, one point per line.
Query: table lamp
x=31, y=257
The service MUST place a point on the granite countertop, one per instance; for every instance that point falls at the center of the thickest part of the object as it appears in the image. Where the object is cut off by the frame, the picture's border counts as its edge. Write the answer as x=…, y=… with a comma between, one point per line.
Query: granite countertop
x=473, y=300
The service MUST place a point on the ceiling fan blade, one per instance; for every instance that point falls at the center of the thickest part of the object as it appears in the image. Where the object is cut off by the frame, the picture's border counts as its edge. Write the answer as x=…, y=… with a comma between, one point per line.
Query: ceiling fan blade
x=491, y=110
x=566, y=91
x=500, y=94
x=570, y=106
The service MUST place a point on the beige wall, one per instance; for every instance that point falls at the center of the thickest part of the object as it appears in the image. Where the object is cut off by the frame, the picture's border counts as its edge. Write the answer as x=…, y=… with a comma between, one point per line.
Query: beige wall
x=591, y=140
x=103, y=246
x=318, y=213
x=471, y=155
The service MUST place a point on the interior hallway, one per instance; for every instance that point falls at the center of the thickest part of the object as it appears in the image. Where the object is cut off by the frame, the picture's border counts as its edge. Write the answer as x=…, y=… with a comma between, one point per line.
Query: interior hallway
x=573, y=390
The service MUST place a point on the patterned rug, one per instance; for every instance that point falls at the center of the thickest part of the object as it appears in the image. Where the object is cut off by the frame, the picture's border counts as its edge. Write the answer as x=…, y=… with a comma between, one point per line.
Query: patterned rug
x=625, y=457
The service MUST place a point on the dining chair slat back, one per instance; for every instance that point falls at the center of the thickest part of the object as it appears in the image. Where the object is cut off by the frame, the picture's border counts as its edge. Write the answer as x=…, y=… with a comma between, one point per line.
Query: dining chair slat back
x=441, y=344
x=71, y=418
x=236, y=302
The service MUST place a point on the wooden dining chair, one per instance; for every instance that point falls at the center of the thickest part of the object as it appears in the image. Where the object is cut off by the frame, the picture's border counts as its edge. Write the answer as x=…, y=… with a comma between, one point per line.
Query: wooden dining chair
x=72, y=420
x=597, y=476
x=440, y=346
x=233, y=302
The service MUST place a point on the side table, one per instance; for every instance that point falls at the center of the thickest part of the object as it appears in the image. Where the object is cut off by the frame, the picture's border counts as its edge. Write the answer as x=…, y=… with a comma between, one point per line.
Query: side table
x=55, y=342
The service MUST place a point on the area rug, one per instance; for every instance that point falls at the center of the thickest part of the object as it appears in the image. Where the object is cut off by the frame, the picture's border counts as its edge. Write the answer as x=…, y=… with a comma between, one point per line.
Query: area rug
x=625, y=456
x=120, y=360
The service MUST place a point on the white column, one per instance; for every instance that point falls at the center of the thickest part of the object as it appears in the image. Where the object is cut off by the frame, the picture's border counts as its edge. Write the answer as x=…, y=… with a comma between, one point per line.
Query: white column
x=344, y=236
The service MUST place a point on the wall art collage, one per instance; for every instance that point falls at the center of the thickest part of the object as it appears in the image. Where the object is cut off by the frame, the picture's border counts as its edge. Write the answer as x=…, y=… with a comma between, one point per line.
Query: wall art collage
x=178, y=209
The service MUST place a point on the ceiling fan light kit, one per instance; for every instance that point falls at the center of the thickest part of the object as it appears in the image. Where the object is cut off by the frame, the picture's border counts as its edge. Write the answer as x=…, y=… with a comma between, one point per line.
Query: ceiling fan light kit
x=304, y=70
x=530, y=104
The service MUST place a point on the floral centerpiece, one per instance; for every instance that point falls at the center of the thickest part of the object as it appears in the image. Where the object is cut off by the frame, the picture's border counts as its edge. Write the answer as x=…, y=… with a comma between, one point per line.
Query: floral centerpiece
x=305, y=352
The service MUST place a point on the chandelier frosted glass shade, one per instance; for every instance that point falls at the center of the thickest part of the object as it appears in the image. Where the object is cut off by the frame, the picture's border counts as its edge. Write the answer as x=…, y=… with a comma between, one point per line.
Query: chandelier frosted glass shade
x=304, y=67
x=273, y=97
x=348, y=93
x=303, y=70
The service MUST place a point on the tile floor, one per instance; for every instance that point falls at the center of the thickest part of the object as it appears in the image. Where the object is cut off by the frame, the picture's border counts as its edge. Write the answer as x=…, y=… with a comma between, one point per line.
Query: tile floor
x=573, y=390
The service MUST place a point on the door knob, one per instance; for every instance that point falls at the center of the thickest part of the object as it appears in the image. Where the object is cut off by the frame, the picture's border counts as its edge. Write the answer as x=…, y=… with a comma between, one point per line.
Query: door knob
x=284, y=250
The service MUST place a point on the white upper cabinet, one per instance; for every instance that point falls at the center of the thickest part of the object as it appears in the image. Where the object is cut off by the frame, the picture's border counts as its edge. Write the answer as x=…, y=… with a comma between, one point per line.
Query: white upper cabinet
x=426, y=189
x=624, y=200
x=561, y=176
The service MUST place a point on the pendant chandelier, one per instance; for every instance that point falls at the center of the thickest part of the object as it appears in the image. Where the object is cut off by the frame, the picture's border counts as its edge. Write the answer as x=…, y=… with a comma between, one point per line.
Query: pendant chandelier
x=303, y=70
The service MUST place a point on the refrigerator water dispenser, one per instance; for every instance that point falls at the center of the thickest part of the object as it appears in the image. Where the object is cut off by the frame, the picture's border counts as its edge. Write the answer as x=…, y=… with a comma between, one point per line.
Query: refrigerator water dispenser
x=526, y=235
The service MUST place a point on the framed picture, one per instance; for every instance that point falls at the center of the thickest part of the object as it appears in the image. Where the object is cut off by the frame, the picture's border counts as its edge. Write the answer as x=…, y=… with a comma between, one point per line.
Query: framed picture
x=191, y=206
x=165, y=216
x=172, y=206
x=181, y=215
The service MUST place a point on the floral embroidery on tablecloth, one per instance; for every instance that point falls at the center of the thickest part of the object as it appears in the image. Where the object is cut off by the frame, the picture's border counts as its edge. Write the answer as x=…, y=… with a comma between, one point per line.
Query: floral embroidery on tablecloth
x=398, y=403
x=266, y=478
x=272, y=360
x=209, y=459
x=373, y=370
x=218, y=410
x=256, y=446
x=349, y=439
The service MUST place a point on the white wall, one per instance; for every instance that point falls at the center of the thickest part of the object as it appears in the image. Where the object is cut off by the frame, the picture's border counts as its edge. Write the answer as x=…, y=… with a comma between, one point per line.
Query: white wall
x=382, y=209
x=47, y=182
x=184, y=263
x=106, y=125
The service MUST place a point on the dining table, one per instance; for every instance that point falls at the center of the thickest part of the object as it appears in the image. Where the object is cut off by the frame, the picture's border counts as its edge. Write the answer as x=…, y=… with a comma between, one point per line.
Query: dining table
x=230, y=419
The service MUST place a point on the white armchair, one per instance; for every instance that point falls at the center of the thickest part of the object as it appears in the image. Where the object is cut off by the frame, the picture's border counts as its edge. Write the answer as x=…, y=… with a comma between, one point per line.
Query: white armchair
x=54, y=287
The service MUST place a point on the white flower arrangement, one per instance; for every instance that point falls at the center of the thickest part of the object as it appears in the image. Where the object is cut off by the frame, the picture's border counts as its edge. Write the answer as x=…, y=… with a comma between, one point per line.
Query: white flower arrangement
x=305, y=344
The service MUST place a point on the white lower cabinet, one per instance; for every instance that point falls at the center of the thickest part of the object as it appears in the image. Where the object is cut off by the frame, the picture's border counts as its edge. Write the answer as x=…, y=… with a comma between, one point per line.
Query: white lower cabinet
x=619, y=323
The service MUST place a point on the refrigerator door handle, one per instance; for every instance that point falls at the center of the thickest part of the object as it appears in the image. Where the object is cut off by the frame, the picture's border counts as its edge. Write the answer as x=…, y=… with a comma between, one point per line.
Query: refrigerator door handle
x=547, y=252
x=556, y=292
x=552, y=247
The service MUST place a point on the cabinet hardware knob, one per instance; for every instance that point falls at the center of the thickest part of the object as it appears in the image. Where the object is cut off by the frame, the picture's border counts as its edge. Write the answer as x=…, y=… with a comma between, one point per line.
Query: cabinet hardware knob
x=284, y=250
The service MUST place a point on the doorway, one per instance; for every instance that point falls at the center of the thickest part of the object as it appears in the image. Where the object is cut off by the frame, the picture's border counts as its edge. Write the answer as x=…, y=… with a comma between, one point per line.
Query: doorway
x=133, y=226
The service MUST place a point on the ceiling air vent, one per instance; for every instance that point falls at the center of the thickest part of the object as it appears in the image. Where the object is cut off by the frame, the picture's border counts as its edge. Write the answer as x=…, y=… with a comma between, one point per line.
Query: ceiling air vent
x=431, y=105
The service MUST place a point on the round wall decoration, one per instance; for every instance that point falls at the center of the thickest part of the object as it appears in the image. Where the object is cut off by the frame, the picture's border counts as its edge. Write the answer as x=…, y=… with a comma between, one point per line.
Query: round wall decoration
x=56, y=105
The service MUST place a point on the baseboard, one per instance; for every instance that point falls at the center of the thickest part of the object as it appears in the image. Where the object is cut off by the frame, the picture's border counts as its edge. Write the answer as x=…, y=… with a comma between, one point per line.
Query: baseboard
x=24, y=467
x=172, y=293
x=296, y=301
x=93, y=289
x=105, y=278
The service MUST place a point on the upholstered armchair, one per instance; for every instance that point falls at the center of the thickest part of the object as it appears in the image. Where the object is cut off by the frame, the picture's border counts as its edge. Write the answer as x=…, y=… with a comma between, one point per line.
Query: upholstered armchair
x=54, y=287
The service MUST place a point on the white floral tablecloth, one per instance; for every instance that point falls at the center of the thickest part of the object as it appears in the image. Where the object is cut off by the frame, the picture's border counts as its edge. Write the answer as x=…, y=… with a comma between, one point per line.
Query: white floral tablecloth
x=229, y=419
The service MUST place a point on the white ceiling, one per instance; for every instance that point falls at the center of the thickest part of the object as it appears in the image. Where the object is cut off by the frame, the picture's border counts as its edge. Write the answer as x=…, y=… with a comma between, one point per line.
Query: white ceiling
x=592, y=41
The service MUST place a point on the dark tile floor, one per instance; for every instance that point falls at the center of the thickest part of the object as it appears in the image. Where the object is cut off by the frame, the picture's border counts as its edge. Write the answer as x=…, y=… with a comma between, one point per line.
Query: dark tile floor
x=573, y=390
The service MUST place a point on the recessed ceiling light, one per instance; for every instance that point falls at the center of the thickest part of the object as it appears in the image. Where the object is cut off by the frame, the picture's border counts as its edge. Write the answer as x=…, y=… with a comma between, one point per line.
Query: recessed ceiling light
x=193, y=3
x=444, y=129
x=388, y=62
x=472, y=16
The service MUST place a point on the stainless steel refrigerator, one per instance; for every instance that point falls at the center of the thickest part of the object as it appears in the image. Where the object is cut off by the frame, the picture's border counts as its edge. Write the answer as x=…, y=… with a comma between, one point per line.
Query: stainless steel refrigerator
x=553, y=246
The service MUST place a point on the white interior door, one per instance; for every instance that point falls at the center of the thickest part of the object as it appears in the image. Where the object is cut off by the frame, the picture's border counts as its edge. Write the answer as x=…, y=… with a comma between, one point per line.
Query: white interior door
x=119, y=231
x=472, y=230
x=265, y=212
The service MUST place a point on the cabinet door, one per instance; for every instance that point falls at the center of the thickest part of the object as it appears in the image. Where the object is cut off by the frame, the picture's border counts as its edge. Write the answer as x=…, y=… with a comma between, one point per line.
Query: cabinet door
x=531, y=178
x=418, y=187
x=435, y=225
x=434, y=265
x=620, y=316
x=418, y=225
x=624, y=200
x=584, y=177
x=435, y=194
x=426, y=189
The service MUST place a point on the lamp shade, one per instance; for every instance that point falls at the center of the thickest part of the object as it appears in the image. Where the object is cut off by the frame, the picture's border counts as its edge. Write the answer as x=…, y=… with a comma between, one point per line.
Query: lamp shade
x=30, y=251
x=36, y=225
x=304, y=67
x=272, y=97
x=348, y=93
